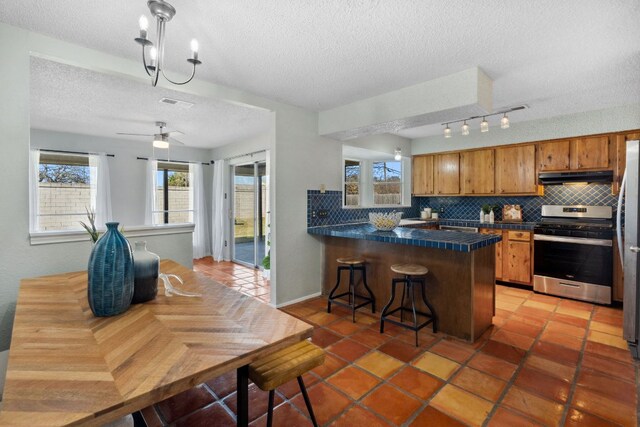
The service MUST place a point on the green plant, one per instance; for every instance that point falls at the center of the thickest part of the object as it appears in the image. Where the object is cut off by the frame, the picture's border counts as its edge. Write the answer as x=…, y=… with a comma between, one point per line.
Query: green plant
x=486, y=208
x=93, y=233
x=266, y=261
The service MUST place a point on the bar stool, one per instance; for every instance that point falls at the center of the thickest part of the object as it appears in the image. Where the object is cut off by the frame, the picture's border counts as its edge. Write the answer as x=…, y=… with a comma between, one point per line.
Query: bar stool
x=283, y=366
x=410, y=271
x=352, y=265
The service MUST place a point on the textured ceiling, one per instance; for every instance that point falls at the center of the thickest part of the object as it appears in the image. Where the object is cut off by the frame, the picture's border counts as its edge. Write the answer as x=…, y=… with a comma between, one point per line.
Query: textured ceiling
x=559, y=57
x=70, y=99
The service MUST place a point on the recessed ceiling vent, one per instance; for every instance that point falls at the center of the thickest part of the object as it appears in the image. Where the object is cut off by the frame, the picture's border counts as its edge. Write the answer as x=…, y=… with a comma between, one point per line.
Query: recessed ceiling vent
x=182, y=104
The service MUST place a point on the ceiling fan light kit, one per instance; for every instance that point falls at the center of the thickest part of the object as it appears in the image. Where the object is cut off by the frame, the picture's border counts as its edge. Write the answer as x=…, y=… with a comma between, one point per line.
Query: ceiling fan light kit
x=163, y=12
x=484, y=124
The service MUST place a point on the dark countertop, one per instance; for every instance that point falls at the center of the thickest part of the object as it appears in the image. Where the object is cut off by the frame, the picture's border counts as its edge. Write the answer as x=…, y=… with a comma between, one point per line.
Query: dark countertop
x=469, y=223
x=447, y=240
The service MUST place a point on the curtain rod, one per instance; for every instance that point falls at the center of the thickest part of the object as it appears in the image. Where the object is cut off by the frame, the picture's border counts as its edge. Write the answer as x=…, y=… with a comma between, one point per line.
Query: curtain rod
x=72, y=152
x=242, y=155
x=171, y=161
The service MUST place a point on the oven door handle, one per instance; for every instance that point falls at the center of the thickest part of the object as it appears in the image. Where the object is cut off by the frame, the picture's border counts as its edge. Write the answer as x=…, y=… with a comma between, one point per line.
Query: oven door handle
x=577, y=240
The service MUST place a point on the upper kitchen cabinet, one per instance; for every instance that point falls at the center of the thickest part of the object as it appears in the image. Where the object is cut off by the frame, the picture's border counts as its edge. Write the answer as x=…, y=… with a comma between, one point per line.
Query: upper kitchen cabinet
x=621, y=158
x=447, y=173
x=554, y=155
x=590, y=153
x=422, y=174
x=516, y=169
x=478, y=170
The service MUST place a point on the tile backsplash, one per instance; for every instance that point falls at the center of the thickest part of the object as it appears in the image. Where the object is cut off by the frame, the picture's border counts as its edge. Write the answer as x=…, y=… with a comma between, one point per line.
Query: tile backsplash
x=466, y=208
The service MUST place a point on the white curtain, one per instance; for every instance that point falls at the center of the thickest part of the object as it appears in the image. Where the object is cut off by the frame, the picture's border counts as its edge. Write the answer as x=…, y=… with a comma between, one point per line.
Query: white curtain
x=201, y=247
x=34, y=193
x=217, y=210
x=100, y=186
x=150, y=196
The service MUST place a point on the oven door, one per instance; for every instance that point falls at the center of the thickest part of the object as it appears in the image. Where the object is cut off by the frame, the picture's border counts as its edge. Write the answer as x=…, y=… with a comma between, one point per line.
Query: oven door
x=574, y=259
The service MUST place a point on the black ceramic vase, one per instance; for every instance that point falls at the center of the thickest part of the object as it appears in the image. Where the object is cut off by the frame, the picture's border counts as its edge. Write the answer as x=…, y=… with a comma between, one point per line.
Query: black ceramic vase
x=147, y=267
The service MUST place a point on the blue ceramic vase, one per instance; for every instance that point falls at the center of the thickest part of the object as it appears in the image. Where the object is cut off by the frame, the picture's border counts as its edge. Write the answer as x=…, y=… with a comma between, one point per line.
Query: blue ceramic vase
x=110, y=287
x=147, y=267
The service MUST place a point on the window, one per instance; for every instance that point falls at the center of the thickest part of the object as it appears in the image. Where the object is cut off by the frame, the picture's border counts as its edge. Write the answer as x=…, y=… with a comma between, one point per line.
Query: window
x=387, y=183
x=64, y=191
x=374, y=179
x=351, y=183
x=174, y=195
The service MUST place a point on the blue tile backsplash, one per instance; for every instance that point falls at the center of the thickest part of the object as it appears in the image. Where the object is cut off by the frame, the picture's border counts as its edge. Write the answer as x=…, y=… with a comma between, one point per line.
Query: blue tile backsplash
x=465, y=208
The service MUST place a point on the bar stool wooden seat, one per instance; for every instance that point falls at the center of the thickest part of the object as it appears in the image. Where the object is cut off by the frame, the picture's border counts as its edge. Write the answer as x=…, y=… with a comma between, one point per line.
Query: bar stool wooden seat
x=282, y=366
x=352, y=264
x=409, y=281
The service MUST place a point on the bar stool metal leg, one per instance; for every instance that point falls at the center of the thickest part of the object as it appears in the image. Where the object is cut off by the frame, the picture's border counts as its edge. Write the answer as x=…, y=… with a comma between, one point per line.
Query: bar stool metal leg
x=303, y=389
x=412, y=295
x=434, y=316
x=352, y=292
x=364, y=282
x=335, y=288
x=270, y=411
x=386, y=307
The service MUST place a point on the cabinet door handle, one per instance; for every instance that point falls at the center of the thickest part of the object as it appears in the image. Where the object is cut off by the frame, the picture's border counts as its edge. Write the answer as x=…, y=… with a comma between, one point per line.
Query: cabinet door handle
x=635, y=249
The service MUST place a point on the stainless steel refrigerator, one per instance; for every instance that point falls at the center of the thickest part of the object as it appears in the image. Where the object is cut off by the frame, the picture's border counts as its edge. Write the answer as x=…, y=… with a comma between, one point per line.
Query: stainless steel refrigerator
x=629, y=249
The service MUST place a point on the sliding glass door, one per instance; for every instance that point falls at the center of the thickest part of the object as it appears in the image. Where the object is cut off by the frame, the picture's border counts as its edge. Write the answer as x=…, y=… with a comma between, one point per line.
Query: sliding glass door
x=249, y=213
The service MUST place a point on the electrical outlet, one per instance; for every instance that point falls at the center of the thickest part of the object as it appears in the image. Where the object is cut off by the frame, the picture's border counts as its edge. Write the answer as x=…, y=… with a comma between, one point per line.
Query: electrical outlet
x=314, y=214
x=441, y=210
x=323, y=213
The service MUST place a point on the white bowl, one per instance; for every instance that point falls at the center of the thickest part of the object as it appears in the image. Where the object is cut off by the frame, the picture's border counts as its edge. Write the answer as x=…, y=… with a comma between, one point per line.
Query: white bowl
x=385, y=221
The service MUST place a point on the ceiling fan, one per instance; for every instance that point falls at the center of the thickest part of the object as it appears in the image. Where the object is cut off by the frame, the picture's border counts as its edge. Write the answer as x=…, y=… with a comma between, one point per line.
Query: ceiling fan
x=161, y=139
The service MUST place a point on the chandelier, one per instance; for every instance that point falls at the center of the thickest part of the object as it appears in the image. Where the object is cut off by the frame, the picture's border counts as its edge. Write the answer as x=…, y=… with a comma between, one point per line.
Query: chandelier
x=163, y=12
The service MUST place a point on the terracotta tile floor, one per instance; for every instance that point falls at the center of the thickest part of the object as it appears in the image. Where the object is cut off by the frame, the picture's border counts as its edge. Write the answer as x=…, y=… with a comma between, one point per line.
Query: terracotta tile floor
x=243, y=279
x=546, y=361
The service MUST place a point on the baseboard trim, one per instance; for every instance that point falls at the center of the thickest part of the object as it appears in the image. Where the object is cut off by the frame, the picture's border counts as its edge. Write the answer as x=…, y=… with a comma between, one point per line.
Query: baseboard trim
x=297, y=300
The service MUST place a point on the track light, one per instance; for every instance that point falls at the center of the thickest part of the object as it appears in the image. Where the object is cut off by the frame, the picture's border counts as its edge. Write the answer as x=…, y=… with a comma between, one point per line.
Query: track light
x=504, y=122
x=398, y=154
x=447, y=131
x=464, y=129
x=484, y=125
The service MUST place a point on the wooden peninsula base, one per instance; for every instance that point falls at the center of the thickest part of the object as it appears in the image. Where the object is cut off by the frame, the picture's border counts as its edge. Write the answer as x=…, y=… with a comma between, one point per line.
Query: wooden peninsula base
x=460, y=285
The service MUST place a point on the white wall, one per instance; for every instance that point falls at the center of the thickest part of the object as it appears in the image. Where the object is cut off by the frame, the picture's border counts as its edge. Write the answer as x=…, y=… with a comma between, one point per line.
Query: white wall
x=126, y=172
x=300, y=160
x=384, y=143
x=587, y=123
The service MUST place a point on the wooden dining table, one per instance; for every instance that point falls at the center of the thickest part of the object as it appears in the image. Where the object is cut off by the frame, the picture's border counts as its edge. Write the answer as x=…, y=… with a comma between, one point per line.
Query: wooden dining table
x=68, y=367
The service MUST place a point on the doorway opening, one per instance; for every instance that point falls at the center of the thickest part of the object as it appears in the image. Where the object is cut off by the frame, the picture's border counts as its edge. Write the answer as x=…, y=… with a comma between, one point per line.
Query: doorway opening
x=249, y=213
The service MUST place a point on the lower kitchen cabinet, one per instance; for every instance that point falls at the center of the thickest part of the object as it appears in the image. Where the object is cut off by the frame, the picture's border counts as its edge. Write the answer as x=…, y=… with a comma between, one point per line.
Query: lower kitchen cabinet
x=514, y=256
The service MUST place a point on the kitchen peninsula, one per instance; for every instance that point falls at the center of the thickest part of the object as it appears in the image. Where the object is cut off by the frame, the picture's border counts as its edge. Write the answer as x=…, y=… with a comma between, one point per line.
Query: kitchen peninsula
x=461, y=278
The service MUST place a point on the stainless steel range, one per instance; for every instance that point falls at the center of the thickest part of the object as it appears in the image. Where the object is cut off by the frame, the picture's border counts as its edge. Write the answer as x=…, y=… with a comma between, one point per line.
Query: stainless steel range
x=573, y=252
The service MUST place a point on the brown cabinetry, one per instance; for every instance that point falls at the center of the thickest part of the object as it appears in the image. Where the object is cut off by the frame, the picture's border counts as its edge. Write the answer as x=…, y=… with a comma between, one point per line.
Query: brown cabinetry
x=518, y=259
x=516, y=169
x=590, y=153
x=514, y=256
x=447, y=173
x=422, y=171
x=620, y=155
x=498, y=250
x=477, y=169
x=554, y=155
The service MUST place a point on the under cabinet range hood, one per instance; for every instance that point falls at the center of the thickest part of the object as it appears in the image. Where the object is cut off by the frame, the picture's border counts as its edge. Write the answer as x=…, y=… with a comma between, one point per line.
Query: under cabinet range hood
x=557, y=178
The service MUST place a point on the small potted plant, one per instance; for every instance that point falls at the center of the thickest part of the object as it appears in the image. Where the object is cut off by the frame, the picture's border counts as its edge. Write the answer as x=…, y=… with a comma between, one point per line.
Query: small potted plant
x=91, y=228
x=486, y=210
x=266, y=263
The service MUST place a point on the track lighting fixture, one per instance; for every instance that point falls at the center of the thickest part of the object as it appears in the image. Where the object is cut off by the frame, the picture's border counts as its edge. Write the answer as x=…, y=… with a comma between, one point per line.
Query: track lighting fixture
x=484, y=124
x=447, y=131
x=464, y=129
x=504, y=122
